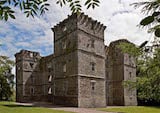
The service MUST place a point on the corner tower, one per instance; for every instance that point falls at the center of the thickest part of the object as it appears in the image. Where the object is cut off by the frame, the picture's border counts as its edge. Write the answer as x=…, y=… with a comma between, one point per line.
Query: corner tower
x=26, y=73
x=79, y=61
x=120, y=67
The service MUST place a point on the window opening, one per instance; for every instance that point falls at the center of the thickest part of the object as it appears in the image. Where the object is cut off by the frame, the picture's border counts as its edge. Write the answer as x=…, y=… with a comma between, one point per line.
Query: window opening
x=32, y=91
x=93, y=66
x=31, y=55
x=49, y=90
x=92, y=43
x=93, y=83
x=64, y=68
x=50, y=78
x=31, y=64
x=130, y=74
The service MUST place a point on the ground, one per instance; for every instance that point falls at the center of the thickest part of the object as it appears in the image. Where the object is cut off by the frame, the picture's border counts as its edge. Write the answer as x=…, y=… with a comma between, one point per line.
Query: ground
x=10, y=107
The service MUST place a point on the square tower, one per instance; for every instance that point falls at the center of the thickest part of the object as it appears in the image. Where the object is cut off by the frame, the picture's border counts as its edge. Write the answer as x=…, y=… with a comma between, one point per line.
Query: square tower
x=120, y=67
x=79, y=62
x=27, y=72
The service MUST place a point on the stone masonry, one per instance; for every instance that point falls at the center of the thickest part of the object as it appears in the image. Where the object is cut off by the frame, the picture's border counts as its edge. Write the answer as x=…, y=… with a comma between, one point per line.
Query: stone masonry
x=120, y=67
x=82, y=72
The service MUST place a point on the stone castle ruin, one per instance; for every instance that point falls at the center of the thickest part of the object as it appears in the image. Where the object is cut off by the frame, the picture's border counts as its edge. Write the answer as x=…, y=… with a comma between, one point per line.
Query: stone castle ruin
x=82, y=72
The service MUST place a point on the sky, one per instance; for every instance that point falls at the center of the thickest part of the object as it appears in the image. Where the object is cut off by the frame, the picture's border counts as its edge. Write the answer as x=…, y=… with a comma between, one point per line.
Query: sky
x=35, y=34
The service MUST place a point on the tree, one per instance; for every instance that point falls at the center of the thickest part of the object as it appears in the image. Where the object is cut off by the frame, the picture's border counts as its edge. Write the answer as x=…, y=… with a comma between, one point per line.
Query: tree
x=6, y=78
x=39, y=7
x=148, y=81
x=148, y=72
x=152, y=20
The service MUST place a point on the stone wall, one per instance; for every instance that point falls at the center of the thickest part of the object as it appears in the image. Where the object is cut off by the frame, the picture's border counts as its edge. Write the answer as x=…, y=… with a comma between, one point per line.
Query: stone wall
x=91, y=92
x=120, y=67
x=130, y=74
x=27, y=68
x=47, y=77
x=91, y=63
x=65, y=62
x=32, y=77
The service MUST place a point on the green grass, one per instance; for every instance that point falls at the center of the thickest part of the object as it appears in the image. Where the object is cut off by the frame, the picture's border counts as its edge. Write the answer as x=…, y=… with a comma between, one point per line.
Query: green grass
x=11, y=107
x=135, y=109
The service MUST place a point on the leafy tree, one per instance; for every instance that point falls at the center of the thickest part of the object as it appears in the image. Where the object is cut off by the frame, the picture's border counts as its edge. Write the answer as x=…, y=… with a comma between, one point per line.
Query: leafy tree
x=148, y=72
x=130, y=48
x=152, y=20
x=39, y=7
x=148, y=80
x=6, y=78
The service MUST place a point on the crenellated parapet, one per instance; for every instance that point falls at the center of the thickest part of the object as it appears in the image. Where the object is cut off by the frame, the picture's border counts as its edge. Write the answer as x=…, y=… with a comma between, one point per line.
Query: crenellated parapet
x=65, y=27
x=91, y=26
x=27, y=55
x=79, y=22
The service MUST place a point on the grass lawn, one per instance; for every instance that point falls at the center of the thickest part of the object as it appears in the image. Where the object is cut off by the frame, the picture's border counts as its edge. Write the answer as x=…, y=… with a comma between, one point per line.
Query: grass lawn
x=135, y=109
x=10, y=107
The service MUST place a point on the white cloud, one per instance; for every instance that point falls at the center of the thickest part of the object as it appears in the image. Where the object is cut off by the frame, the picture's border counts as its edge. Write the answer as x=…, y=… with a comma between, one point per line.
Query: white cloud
x=13, y=71
x=121, y=20
x=35, y=34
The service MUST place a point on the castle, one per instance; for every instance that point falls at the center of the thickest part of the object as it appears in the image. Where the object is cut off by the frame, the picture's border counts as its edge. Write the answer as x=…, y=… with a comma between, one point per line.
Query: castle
x=82, y=72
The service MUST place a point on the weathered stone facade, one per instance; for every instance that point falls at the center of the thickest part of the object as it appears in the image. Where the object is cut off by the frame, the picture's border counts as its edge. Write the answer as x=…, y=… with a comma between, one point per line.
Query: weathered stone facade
x=120, y=67
x=80, y=72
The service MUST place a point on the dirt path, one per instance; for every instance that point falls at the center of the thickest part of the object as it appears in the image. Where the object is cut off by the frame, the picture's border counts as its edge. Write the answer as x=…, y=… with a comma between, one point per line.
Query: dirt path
x=80, y=110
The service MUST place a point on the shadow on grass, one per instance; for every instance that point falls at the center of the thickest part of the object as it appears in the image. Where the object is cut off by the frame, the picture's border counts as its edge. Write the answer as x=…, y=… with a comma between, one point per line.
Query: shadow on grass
x=34, y=104
x=158, y=107
x=14, y=105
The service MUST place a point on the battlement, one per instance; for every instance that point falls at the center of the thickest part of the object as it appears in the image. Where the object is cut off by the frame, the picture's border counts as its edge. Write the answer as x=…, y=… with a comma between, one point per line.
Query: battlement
x=90, y=25
x=81, y=22
x=27, y=54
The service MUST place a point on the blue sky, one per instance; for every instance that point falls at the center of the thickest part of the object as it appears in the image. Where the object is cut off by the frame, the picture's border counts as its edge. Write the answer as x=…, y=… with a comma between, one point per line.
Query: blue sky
x=35, y=34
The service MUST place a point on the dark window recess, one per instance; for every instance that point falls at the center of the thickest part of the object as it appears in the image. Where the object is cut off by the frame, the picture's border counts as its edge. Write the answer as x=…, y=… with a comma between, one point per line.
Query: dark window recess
x=32, y=90
x=69, y=60
x=93, y=86
x=93, y=66
x=92, y=43
x=130, y=74
x=87, y=45
x=31, y=64
x=93, y=83
x=49, y=69
x=130, y=97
